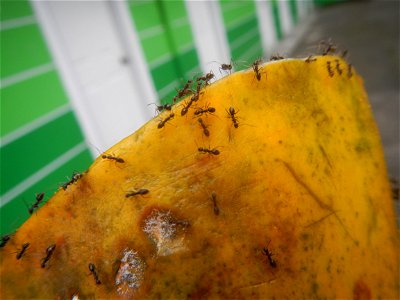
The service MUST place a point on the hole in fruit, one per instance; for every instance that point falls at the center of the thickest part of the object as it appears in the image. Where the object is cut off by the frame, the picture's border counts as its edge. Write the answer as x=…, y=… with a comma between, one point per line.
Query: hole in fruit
x=130, y=273
x=165, y=231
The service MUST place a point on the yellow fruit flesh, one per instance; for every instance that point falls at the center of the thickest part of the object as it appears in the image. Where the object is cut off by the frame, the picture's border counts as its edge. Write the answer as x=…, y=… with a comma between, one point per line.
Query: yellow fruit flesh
x=303, y=176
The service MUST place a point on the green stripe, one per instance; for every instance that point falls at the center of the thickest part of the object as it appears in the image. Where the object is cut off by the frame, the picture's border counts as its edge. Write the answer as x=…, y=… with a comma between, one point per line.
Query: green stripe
x=164, y=74
x=182, y=35
x=170, y=96
x=14, y=213
x=26, y=155
x=144, y=14
x=257, y=54
x=166, y=22
x=22, y=48
x=189, y=60
x=293, y=11
x=14, y=9
x=240, y=19
x=155, y=47
x=277, y=20
x=237, y=54
x=163, y=50
x=238, y=32
x=24, y=102
x=231, y=15
x=174, y=9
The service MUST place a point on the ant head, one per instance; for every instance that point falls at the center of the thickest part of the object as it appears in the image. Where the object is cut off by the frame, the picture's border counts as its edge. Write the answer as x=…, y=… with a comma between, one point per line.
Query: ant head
x=91, y=267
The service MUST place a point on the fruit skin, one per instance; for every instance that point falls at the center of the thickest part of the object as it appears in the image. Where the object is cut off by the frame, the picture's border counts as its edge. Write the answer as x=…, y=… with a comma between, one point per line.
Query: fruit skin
x=302, y=177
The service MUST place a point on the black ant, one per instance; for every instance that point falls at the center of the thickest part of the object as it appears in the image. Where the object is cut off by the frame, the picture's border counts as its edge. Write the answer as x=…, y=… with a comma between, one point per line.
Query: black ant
x=22, y=251
x=49, y=253
x=207, y=150
x=231, y=112
x=310, y=59
x=4, y=240
x=161, y=108
x=344, y=53
x=75, y=178
x=162, y=122
x=204, y=126
x=349, y=70
x=39, y=198
x=256, y=68
x=138, y=192
x=206, y=110
x=117, y=159
x=92, y=269
x=276, y=57
x=269, y=254
x=339, y=70
x=214, y=200
x=330, y=70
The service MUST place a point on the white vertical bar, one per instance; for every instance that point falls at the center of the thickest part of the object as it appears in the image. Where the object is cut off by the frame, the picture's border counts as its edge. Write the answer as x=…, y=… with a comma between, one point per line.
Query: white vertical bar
x=267, y=26
x=57, y=48
x=138, y=83
x=286, y=19
x=209, y=34
x=142, y=78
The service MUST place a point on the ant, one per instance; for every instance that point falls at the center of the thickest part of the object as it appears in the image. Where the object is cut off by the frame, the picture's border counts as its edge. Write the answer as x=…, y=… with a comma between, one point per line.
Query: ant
x=196, y=96
x=276, y=57
x=162, y=122
x=185, y=109
x=310, y=59
x=231, y=112
x=183, y=91
x=330, y=48
x=204, y=126
x=349, y=70
x=269, y=254
x=256, y=68
x=161, y=108
x=395, y=188
x=206, y=78
x=330, y=70
x=338, y=67
x=214, y=200
x=206, y=110
x=92, y=269
x=344, y=53
x=4, y=240
x=75, y=178
x=117, y=159
x=207, y=150
x=226, y=67
x=39, y=198
x=49, y=253
x=138, y=192
x=22, y=251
